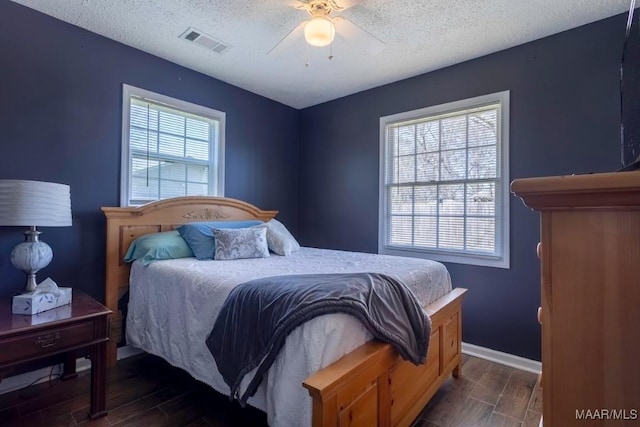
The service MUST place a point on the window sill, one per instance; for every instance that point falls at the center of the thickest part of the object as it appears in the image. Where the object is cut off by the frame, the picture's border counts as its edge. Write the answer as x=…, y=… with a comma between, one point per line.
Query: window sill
x=483, y=261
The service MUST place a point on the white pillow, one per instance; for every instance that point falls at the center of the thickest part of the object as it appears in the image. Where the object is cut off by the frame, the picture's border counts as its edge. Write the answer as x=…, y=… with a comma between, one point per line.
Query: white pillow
x=239, y=243
x=279, y=239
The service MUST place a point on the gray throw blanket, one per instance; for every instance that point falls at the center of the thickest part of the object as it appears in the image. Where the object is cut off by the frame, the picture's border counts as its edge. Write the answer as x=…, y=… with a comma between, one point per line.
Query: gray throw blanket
x=258, y=315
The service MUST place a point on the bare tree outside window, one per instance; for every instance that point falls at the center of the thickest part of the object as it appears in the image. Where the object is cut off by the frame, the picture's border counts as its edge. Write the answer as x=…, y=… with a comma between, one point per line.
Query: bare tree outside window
x=443, y=181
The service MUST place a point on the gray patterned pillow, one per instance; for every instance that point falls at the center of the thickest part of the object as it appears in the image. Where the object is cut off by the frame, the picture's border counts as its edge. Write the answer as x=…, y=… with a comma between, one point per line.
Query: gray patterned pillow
x=279, y=239
x=241, y=243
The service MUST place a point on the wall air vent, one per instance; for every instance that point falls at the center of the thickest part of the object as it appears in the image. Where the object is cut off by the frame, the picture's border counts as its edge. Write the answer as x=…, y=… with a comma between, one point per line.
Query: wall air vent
x=205, y=40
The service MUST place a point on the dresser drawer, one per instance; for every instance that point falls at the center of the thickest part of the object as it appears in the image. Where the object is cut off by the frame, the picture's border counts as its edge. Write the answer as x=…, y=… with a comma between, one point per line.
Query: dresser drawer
x=47, y=341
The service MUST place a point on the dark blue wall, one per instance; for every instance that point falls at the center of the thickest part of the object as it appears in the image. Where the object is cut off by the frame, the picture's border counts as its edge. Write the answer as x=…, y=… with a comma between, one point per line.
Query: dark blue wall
x=564, y=119
x=60, y=120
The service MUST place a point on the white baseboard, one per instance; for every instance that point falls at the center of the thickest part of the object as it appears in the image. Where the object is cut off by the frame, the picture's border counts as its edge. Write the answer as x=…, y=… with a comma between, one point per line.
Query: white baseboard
x=41, y=375
x=502, y=358
x=82, y=364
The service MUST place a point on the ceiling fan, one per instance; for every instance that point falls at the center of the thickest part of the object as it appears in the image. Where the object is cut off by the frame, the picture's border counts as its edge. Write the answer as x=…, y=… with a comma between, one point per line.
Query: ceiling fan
x=320, y=29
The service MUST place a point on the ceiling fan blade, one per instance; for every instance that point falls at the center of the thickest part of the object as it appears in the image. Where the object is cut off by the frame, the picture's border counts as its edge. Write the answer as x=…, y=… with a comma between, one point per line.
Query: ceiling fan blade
x=358, y=36
x=289, y=40
x=298, y=4
x=346, y=4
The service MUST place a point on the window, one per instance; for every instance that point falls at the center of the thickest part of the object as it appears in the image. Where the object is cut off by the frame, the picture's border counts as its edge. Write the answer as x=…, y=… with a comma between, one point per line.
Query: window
x=444, y=182
x=170, y=148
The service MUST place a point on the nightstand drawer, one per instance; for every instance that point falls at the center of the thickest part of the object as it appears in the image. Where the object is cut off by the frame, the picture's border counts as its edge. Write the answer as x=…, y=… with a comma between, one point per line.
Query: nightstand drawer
x=47, y=341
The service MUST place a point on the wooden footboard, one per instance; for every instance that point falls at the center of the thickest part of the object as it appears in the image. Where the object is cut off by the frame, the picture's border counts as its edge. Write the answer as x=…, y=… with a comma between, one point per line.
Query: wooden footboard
x=373, y=386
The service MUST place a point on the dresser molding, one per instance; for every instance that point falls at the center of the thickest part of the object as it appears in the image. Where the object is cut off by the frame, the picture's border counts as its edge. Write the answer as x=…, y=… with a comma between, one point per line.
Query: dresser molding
x=608, y=190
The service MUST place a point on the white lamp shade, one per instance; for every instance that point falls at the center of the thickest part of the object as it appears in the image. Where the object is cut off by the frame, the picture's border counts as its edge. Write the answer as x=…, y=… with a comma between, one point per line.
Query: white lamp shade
x=319, y=31
x=34, y=203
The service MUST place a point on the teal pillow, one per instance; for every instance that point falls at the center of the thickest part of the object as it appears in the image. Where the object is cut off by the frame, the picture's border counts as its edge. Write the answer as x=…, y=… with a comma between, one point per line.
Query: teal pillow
x=156, y=246
x=199, y=235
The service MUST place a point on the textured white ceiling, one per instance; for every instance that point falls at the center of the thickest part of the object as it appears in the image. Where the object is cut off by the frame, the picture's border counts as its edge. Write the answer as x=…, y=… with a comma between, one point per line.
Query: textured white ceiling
x=419, y=36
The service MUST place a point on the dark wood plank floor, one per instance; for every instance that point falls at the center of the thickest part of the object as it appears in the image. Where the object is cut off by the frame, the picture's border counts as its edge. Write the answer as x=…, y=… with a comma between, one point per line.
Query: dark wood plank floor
x=486, y=394
x=146, y=391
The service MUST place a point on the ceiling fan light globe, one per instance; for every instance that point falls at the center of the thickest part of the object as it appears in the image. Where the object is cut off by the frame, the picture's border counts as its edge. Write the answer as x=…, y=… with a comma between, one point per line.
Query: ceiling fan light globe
x=319, y=31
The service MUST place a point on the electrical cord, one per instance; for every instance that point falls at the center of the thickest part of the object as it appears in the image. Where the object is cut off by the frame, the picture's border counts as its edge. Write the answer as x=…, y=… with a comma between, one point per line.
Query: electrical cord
x=53, y=377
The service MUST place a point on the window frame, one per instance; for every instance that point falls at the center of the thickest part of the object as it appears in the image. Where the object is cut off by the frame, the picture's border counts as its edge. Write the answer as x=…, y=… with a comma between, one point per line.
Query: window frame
x=502, y=259
x=216, y=168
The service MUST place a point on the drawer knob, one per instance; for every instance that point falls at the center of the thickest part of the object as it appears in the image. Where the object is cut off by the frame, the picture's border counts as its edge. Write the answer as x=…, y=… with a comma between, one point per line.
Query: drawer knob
x=48, y=340
x=539, y=250
x=540, y=315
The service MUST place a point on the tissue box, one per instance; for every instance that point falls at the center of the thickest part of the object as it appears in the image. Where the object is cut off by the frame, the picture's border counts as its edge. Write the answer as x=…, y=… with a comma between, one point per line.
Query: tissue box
x=49, y=316
x=34, y=303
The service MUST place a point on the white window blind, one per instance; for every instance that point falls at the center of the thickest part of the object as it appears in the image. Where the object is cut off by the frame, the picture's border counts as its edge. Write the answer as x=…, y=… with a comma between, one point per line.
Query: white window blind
x=444, y=182
x=170, y=148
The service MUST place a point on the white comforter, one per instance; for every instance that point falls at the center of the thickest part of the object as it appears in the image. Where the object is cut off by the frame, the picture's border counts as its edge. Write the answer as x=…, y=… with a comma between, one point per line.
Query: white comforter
x=173, y=305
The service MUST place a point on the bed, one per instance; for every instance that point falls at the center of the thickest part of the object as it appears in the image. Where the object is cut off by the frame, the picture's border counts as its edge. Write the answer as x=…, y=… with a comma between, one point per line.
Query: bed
x=357, y=382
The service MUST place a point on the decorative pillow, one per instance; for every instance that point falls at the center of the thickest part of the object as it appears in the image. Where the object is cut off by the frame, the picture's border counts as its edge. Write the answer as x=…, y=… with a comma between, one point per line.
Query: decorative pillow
x=279, y=239
x=241, y=243
x=200, y=237
x=157, y=246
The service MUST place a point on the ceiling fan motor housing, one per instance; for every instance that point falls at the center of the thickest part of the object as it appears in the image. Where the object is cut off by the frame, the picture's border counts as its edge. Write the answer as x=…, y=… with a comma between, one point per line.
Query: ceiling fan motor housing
x=320, y=30
x=322, y=8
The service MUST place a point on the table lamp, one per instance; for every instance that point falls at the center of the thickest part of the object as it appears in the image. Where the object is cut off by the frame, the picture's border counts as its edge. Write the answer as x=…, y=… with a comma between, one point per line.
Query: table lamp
x=33, y=204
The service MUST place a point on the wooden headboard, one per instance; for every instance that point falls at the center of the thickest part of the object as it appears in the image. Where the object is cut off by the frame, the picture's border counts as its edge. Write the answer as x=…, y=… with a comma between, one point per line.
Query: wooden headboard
x=125, y=224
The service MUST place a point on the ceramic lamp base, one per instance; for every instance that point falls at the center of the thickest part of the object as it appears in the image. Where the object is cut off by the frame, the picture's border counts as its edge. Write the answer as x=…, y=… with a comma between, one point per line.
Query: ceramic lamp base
x=31, y=256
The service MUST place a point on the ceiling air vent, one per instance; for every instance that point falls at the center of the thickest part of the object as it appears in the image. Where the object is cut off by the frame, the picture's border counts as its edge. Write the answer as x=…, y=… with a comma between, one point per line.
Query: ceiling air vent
x=204, y=40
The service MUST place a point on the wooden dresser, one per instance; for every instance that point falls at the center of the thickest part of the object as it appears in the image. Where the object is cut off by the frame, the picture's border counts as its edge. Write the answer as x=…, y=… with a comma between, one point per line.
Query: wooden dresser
x=590, y=268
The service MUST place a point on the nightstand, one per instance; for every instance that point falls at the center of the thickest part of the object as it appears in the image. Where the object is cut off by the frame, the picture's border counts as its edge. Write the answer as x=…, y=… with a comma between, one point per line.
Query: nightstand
x=82, y=324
